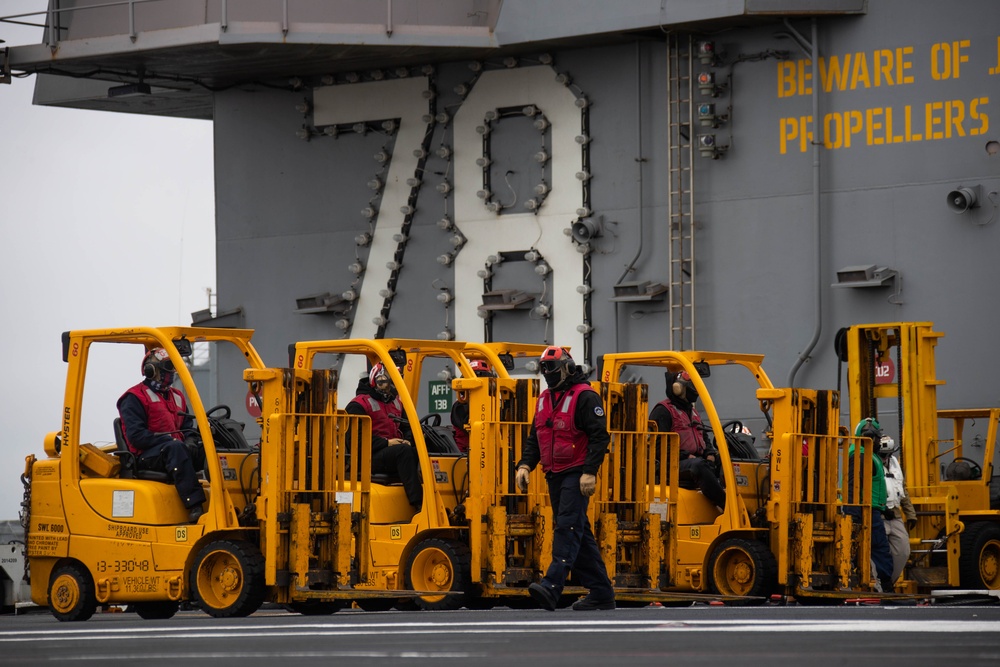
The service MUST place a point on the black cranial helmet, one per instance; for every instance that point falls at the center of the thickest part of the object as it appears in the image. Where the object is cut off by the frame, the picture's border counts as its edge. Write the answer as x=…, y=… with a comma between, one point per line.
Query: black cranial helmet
x=156, y=366
x=481, y=368
x=379, y=380
x=869, y=428
x=556, y=366
x=681, y=385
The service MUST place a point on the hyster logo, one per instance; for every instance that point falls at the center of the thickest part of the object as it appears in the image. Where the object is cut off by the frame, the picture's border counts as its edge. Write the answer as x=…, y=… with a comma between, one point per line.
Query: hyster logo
x=67, y=414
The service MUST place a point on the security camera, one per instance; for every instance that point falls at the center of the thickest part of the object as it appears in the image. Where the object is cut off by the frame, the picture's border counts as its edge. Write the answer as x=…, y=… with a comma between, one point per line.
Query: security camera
x=964, y=198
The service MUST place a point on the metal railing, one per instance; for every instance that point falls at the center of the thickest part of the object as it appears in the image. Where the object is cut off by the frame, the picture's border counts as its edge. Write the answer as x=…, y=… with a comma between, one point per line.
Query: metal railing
x=54, y=25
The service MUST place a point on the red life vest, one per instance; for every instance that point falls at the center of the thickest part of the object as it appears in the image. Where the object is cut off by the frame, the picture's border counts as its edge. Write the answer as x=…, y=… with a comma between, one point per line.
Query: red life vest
x=162, y=412
x=381, y=415
x=561, y=444
x=461, y=439
x=687, y=427
x=459, y=418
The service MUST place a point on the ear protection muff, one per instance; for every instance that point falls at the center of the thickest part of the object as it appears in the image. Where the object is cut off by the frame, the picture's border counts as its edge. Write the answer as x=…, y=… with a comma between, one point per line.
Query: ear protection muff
x=148, y=369
x=677, y=388
x=153, y=363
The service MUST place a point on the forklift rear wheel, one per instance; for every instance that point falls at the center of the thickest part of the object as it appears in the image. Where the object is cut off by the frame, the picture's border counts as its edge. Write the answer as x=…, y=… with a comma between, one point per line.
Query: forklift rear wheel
x=376, y=604
x=482, y=603
x=439, y=565
x=979, y=565
x=228, y=578
x=152, y=611
x=745, y=568
x=314, y=607
x=71, y=593
x=6, y=593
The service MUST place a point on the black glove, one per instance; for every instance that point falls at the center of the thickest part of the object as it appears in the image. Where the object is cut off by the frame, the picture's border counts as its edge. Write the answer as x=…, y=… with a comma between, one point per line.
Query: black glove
x=911, y=524
x=196, y=451
x=715, y=461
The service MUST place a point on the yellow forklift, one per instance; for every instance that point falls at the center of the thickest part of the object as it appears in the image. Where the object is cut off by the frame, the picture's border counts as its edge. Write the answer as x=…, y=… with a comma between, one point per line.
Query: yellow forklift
x=782, y=530
x=100, y=531
x=947, y=456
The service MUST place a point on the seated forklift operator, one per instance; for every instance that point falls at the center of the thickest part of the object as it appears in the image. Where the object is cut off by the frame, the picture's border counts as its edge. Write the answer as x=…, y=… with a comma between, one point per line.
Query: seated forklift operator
x=676, y=413
x=154, y=420
x=391, y=451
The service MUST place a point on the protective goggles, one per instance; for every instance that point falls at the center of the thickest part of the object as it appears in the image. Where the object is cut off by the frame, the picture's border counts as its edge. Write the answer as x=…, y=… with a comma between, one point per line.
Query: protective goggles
x=550, y=365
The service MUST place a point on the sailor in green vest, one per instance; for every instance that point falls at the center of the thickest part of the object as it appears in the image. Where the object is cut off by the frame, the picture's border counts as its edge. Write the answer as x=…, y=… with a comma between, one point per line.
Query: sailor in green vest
x=881, y=555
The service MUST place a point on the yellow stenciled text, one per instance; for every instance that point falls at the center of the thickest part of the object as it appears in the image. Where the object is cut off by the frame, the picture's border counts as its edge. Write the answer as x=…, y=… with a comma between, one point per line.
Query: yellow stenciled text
x=851, y=71
x=878, y=126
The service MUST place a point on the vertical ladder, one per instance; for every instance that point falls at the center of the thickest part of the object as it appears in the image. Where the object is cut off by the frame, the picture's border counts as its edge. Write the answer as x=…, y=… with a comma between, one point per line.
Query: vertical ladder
x=680, y=204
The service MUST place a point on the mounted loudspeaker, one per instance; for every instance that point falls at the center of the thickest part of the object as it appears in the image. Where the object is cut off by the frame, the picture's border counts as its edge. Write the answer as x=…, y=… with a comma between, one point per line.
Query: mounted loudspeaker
x=585, y=229
x=963, y=198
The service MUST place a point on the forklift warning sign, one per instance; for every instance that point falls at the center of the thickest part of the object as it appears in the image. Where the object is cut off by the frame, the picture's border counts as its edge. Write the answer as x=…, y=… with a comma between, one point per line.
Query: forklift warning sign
x=439, y=392
x=885, y=371
x=253, y=404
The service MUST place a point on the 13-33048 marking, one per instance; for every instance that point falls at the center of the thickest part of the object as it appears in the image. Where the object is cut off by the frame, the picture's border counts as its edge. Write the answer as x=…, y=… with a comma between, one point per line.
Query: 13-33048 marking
x=129, y=565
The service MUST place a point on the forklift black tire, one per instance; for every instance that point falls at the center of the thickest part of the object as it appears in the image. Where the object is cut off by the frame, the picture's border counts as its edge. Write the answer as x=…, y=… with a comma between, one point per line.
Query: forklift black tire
x=228, y=578
x=71, y=593
x=6, y=593
x=979, y=564
x=520, y=602
x=745, y=568
x=481, y=603
x=439, y=565
x=404, y=604
x=315, y=607
x=155, y=611
x=377, y=604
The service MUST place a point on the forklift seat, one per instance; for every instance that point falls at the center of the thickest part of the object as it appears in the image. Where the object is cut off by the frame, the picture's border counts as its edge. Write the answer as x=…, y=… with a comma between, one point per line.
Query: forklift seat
x=129, y=462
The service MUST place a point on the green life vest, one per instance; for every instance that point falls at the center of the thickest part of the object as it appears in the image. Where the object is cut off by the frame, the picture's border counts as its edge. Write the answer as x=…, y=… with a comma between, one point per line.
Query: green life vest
x=880, y=492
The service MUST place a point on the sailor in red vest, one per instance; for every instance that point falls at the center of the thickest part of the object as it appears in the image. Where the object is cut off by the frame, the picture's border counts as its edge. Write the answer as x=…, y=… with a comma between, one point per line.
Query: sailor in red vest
x=677, y=414
x=460, y=410
x=391, y=450
x=570, y=438
x=154, y=422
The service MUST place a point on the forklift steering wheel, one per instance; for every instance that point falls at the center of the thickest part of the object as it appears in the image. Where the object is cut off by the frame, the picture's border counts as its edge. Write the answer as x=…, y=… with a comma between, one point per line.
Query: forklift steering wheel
x=227, y=413
x=433, y=419
x=736, y=424
x=951, y=472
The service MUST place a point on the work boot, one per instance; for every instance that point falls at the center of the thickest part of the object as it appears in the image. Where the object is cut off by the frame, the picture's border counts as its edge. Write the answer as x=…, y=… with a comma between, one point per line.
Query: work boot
x=544, y=597
x=590, y=604
x=195, y=513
